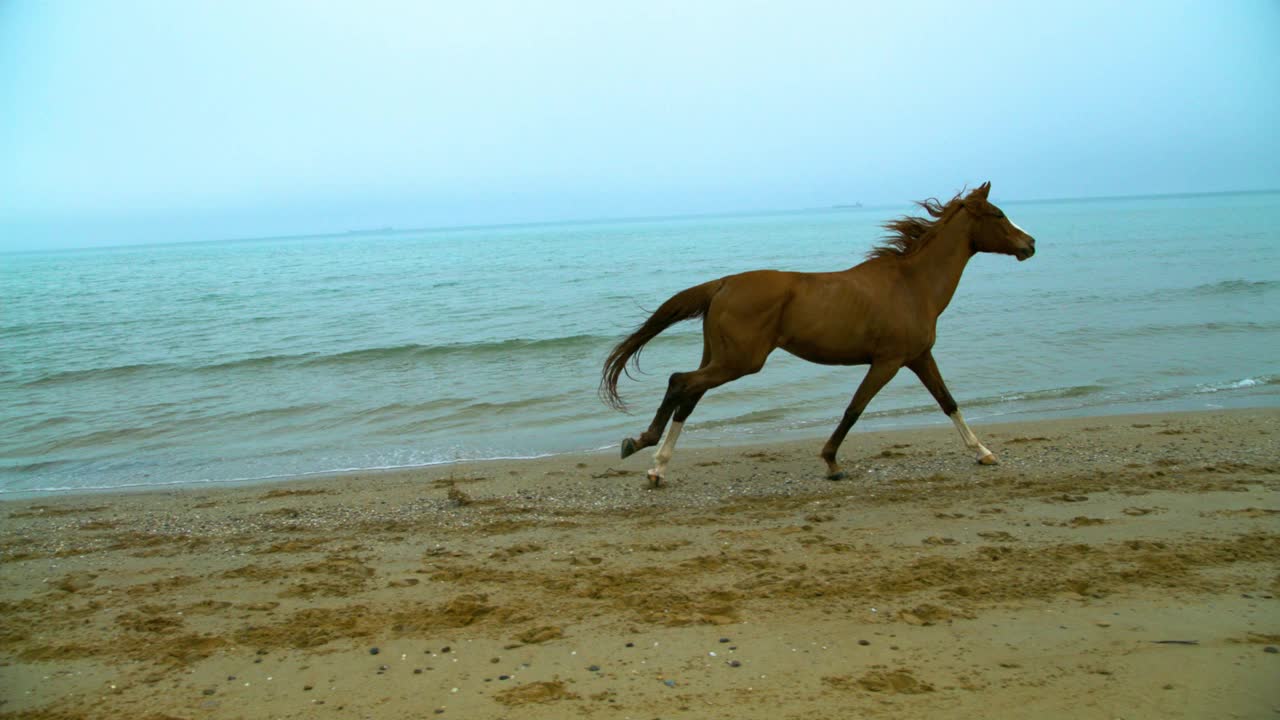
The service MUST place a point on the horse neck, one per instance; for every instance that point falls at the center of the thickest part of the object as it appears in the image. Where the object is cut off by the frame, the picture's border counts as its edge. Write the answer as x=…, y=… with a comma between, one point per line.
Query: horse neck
x=935, y=269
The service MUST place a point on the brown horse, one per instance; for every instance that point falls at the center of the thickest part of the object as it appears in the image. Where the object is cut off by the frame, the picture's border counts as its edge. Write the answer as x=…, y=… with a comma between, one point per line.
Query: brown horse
x=883, y=312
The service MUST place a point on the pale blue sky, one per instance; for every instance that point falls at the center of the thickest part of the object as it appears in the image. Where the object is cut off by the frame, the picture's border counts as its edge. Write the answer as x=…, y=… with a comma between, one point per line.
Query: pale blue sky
x=124, y=121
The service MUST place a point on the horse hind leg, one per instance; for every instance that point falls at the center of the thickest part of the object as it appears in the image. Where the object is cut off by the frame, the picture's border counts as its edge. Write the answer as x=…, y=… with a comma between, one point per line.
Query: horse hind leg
x=671, y=403
x=663, y=456
x=690, y=388
x=722, y=362
x=658, y=472
x=650, y=437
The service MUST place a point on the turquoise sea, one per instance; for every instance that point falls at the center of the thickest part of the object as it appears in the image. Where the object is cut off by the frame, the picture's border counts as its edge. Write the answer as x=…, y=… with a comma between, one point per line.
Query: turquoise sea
x=273, y=358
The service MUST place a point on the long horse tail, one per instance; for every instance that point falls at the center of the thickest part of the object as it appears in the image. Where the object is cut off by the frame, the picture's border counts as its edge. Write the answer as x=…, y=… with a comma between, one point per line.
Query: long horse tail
x=685, y=305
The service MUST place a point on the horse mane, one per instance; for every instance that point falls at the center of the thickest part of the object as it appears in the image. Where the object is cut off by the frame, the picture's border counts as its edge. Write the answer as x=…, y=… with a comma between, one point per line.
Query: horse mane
x=909, y=233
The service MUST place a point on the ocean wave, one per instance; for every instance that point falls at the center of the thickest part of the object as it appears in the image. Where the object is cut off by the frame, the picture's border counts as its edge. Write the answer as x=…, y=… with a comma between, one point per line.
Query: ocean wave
x=1016, y=400
x=1029, y=396
x=495, y=348
x=1073, y=391
x=113, y=372
x=756, y=417
x=125, y=437
x=411, y=352
x=462, y=414
x=399, y=409
x=253, y=479
x=1239, y=384
x=37, y=466
x=94, y=439
x=1232, y=287
x=1155, y=330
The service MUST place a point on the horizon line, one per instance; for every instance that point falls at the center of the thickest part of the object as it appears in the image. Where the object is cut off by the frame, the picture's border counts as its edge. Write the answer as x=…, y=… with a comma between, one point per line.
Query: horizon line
x=856, y=207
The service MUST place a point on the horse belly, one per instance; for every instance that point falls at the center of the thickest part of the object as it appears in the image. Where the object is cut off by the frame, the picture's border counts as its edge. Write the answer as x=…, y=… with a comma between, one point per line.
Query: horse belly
x=826, y=353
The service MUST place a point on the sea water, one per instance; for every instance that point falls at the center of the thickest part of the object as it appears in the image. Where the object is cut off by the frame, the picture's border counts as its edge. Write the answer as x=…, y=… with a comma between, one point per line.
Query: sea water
x=261, y=359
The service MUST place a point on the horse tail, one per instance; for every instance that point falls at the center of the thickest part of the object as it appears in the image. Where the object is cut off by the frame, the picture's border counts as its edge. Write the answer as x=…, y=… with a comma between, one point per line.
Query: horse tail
x=684, y=305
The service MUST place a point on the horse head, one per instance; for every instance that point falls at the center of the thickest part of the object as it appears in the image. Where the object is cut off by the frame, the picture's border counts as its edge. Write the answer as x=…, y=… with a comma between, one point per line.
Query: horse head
x=993, y=231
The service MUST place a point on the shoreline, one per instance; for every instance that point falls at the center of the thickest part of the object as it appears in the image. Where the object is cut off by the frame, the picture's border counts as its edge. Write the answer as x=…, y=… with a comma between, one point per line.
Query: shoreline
x=1121, y=564
x=691, y=441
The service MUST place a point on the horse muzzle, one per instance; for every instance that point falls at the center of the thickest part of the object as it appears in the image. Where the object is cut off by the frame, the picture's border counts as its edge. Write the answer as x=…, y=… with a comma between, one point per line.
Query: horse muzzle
x=1025, y=251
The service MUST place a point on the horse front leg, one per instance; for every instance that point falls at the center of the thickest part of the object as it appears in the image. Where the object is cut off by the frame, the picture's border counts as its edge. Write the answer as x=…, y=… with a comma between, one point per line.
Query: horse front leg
x=881, y=372
x=927, y=370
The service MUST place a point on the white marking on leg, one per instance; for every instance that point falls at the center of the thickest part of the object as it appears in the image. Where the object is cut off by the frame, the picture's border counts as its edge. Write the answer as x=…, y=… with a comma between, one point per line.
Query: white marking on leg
x=970, y=440
x=666, y=450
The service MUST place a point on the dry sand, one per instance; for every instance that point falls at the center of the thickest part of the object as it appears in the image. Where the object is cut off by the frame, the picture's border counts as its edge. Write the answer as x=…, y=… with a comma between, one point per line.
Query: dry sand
x=1114, y=567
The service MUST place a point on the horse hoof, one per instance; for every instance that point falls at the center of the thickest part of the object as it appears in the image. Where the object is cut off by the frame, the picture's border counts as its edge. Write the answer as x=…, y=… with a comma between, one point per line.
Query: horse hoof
x=655, y=480
x=988, y=459
x=837, y=476
x=628, y=448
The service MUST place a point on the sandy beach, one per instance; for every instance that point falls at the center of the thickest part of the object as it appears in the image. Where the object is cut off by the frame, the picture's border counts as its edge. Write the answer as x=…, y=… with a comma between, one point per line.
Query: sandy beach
x=1109, y=567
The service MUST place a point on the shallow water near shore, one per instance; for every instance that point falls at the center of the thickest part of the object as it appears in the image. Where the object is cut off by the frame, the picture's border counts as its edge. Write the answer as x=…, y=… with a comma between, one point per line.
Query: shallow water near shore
x=273, y=358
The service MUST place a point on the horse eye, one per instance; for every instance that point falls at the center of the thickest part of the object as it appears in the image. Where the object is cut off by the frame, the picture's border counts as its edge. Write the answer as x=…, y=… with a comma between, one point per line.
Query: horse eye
x=999, y=213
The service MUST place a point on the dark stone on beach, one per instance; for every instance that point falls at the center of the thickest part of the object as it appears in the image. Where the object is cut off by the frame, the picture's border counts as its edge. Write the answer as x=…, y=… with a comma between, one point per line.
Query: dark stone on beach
x=631, y=644
x=374, y=651
x=1271, y=649
x=495, y=661
x=257, y=660
x=864, y=642
x=446, y=649
x=231, y=678
x=724, y=640
x=306, y=688
x=383, y=668
x=593, y=668
x=504, y=677
x=417, y=671
x=735, y=663
x=209, y=691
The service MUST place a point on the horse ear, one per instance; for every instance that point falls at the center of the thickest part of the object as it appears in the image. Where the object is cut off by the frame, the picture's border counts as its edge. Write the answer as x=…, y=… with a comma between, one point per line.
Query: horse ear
x=982, y=190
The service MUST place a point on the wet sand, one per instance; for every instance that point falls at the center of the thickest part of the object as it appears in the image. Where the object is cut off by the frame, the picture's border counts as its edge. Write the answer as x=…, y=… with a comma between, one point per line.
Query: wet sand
x=1124, y=566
